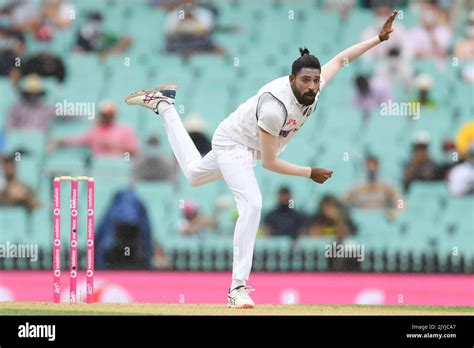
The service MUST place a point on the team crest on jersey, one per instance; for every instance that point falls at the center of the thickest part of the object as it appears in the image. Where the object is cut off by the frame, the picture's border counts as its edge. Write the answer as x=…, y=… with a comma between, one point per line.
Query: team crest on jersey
x=291, y=122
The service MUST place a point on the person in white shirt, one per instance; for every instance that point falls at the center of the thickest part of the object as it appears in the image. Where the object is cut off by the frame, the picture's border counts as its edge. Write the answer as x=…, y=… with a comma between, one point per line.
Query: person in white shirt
x=432, y=38
x=258, y=129
x=461, y=177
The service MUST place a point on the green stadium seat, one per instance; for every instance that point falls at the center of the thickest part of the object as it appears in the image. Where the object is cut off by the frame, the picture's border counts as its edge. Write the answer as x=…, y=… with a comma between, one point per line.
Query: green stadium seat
x=32, y=142
x=13, y=224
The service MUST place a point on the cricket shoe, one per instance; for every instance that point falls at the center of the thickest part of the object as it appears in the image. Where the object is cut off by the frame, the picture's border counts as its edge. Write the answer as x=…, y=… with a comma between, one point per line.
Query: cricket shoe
x=239, y=297
x=150, y=98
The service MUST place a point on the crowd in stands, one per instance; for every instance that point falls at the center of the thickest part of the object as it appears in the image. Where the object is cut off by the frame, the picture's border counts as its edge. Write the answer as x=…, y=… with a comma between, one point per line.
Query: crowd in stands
x=189, y=31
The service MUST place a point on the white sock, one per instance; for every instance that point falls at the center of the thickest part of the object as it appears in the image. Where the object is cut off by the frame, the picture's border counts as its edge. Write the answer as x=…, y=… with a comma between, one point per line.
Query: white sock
x=236, y=283
x=183, y=147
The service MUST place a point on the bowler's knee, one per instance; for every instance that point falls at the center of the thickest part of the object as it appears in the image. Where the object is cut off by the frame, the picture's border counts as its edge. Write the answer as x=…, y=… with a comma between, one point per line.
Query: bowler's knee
x=254, y=203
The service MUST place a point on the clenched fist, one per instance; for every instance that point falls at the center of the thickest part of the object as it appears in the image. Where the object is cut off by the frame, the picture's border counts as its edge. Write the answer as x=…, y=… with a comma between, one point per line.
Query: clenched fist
x=320, y=175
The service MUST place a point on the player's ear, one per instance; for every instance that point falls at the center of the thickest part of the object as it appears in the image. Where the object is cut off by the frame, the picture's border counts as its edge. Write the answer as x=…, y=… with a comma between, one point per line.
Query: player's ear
x=292, y=78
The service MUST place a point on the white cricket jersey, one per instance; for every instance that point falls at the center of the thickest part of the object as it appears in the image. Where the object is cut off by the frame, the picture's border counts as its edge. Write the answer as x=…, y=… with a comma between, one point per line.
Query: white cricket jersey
x=275, y=109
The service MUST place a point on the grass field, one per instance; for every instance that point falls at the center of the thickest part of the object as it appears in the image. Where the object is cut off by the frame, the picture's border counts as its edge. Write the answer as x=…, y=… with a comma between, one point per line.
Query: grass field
x=45, y=308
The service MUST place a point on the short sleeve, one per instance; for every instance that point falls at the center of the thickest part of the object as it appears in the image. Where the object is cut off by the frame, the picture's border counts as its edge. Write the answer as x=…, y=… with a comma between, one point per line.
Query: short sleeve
x=271, y=114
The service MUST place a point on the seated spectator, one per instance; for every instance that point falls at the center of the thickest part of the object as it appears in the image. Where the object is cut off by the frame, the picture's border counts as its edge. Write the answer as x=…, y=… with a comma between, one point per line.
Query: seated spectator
x=191, y=34
x=58, y=13
x=331, y=219
x=92, y=37
x=420, y=167
x=45, y=63
x=107, y=138
x=449, y=161
x=14, y=192
x=124, y=227
x=195, y=127
x=31, y=112
x=398, y=39
x=153, y=165
x=12, y=45
x=396, y=69
x=464, y=48
x=195, y=224
x=284, y=220
x=464, y=137
x=370, y=94
x=343, y=8
x=23, y=15
x=461, y=177
x=373, y=193
x=432, y=38
x=424, y=84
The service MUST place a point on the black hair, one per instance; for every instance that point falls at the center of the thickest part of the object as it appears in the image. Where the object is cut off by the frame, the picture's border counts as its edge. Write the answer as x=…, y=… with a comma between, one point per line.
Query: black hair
x=306, y=60
x=372, y=158
x=284, y=189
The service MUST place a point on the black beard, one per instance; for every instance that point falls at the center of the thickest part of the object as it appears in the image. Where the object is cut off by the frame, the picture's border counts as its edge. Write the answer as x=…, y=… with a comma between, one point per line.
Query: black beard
x=300, y=97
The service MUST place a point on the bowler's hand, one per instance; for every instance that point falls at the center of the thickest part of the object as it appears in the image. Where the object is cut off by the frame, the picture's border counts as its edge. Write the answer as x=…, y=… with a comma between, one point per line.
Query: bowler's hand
x=387, y=27
x=320, y=175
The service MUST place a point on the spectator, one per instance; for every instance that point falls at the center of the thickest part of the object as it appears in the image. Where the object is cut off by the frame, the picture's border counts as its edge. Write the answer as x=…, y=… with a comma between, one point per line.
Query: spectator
x=343, y=8
x=284, y=220
x=107, y=138
x=370, y=94
x=373, y=193
x=194, y=224
x=58, y=13
x=152, y=165
x=195, y=127
x=396, y=69
x=464, y=48
x=44, y=63
x=464, y=137
x=31, y=112
x=92, y=37
x=398, y=39
x=420, y=166
x=191, y=33
x=331, y=219
x=14, y=192
x=461, y=177
x=12, y=45
x=125, y=227
x=432, y=38
x=424, y=84
x=449, y=161
x=23, y=15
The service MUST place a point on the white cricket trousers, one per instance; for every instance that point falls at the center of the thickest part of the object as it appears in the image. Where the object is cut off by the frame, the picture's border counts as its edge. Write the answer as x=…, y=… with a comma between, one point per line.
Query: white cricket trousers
x=234, y=163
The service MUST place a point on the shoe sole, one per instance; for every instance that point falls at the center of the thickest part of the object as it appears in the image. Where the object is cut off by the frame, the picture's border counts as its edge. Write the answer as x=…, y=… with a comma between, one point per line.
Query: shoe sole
x=146, y=91
x=247, y=306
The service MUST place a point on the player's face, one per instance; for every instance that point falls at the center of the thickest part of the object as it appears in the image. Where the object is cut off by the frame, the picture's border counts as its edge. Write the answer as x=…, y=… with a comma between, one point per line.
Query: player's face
x=305, y=85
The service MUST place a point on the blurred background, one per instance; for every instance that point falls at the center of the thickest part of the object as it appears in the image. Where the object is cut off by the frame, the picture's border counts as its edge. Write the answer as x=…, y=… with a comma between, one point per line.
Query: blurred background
x=396, y=127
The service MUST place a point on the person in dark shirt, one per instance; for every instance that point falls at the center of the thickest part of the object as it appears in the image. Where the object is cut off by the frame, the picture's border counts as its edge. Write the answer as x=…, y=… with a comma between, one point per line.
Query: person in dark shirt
x=45, y=63
x=12, y=45
x=420, y=167
x=284, y=219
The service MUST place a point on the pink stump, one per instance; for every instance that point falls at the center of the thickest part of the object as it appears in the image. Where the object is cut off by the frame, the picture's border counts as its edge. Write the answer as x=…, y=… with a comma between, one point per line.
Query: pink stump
x=56, y=240
x=73, y=268
x=90, y=240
